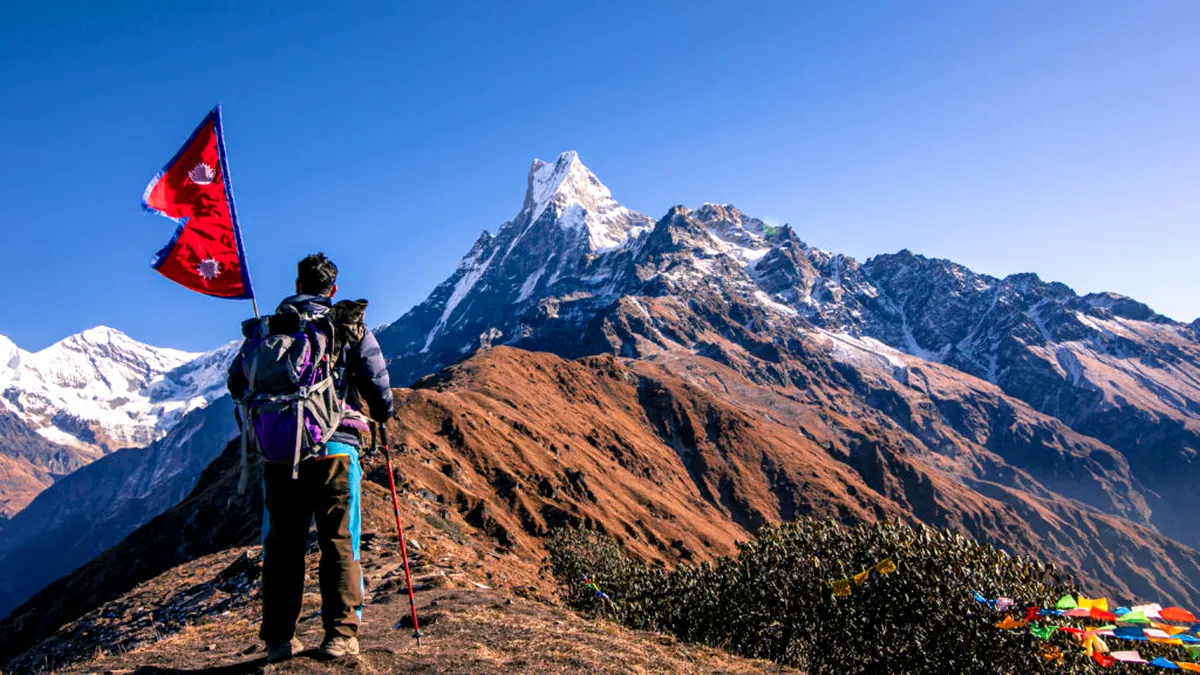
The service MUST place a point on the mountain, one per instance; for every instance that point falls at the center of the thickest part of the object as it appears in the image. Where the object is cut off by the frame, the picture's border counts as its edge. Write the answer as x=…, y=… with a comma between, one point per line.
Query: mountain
x=1015, y=389
x=98, y=434
x=88, y=395
x=569, y=221
x=1104, y=364
x=188, y=578
x=102, y=389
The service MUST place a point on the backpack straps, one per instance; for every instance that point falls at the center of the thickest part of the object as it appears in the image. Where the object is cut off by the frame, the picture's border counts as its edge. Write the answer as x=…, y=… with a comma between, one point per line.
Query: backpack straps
x=244, y=476
x=340, y=327
x=299, y=405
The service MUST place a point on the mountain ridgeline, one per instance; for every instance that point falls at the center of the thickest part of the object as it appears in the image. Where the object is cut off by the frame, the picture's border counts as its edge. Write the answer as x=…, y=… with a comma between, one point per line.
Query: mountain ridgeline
x=1015, y=388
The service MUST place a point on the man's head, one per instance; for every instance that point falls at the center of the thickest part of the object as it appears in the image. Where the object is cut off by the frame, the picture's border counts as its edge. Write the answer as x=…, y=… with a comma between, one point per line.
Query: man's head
x=316, y=275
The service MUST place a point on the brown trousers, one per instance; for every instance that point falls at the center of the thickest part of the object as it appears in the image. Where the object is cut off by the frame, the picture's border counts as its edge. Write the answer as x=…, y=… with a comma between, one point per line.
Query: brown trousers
x=326, y=491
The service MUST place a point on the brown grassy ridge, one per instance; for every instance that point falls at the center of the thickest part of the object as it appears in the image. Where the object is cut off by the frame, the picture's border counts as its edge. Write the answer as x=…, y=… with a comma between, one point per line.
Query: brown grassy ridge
x=678, y=460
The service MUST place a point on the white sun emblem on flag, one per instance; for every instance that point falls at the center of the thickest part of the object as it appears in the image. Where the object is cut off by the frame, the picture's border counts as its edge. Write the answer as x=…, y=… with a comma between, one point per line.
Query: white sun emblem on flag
x=209, y=269
x=202, y=174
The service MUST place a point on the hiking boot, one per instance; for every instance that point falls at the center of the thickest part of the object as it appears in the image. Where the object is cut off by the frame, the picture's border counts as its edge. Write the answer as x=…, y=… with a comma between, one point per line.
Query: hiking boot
x=339, y=645
x=284, y=651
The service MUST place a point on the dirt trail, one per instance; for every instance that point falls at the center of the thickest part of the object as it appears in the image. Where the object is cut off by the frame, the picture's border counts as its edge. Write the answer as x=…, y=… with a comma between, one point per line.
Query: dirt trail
x=480, y=612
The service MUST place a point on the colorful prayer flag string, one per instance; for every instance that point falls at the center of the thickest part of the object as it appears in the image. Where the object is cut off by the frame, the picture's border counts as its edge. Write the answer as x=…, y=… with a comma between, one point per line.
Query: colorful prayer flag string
x=588, y=583
x=1147, y=626
x=841, y=587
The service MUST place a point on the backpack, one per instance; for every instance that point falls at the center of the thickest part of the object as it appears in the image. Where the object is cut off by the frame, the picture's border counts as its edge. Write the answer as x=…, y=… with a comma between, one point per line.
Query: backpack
x=292, y=405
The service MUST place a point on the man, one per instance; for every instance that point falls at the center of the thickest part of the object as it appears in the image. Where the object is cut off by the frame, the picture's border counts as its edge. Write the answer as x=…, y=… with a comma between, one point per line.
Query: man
x=324, y=487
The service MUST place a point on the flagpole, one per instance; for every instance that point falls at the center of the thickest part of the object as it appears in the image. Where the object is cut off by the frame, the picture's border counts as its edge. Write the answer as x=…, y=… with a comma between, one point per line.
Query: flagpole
x=237, y=229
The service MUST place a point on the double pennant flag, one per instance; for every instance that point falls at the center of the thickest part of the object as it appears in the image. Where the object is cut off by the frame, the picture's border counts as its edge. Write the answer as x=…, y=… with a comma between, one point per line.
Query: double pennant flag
x=193, y=189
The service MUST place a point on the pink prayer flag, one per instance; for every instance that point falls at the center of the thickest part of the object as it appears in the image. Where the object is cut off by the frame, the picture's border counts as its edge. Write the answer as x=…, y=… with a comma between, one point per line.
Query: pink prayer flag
x=1128, y=657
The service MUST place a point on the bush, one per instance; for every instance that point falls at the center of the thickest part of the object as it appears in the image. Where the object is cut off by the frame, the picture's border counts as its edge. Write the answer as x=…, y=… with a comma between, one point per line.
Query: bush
x=774, y=599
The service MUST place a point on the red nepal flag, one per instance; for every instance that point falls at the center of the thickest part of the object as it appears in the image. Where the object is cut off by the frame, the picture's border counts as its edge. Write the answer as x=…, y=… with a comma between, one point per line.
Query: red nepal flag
x=206, y=253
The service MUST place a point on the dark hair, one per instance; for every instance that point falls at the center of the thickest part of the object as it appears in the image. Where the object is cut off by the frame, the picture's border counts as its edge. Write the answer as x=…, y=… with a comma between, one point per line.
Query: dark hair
x=316, y=275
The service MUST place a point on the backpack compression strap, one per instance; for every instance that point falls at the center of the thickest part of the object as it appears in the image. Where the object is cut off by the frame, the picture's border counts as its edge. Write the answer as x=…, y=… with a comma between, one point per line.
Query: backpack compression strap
x=244, y=476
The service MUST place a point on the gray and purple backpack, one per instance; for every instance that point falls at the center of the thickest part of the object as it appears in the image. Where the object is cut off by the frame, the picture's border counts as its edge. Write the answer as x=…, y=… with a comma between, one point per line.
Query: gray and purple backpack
x=291, y=405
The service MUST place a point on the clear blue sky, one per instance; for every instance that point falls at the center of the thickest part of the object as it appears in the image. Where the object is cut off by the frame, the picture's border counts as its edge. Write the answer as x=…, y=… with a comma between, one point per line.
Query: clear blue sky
x=1059, y=137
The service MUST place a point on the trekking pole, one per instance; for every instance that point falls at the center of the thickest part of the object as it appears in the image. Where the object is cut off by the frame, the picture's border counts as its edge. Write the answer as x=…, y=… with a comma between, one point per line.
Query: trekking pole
x=412, y=601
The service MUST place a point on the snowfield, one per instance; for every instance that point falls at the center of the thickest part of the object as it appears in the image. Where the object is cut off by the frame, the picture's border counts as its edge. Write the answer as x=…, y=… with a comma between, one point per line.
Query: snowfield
x=102, y=389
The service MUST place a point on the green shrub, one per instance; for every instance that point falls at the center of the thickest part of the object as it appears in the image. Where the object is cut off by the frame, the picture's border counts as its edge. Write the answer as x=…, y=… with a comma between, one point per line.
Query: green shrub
x=774, y=599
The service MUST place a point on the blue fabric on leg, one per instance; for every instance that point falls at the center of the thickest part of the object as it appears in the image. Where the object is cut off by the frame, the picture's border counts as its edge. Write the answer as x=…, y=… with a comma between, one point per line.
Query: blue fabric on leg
x=355, y=506
x=266, y=517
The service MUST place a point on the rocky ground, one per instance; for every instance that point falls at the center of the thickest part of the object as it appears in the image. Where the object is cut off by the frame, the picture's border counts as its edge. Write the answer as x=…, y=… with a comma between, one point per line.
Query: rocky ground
x=480, y=612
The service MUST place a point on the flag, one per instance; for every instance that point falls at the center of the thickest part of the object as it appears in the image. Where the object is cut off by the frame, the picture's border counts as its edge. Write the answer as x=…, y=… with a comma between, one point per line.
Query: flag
x=206, y=253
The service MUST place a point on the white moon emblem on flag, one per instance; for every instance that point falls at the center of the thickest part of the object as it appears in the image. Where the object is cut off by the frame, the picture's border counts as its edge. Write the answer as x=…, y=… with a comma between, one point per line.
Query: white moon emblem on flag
x=202, y=174
x=209, y=269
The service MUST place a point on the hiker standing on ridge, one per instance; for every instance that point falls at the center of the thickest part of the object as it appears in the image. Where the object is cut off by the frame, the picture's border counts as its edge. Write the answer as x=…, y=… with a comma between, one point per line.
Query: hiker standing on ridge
x=299, y=379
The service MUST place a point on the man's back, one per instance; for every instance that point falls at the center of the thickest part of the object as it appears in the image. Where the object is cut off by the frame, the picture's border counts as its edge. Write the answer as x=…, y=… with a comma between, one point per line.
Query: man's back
x=322, y=485
x=361, y=378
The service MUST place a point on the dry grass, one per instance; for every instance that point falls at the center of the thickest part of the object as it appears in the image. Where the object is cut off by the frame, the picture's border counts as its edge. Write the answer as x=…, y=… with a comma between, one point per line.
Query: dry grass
x=467, y=631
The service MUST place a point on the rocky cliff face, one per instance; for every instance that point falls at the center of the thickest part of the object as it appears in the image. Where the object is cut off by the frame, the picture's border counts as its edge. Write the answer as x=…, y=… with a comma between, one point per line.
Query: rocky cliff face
x=567, y=228
x=1106, y=365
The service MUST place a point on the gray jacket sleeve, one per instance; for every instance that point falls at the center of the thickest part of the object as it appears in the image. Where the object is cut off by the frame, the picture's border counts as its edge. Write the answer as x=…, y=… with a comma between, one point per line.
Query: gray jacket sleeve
x=368, y=373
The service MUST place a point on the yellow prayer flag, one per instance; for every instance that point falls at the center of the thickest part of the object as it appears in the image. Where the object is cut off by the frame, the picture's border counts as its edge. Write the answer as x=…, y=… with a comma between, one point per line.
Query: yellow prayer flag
x=841, y=588
x=861, y=577
x=886, y=567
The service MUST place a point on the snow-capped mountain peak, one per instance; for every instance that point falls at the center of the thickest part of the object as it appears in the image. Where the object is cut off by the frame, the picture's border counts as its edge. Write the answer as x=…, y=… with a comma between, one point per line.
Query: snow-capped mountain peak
x=103, y=359
x=579, y=201
x=105, y=390
x=746, y=239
